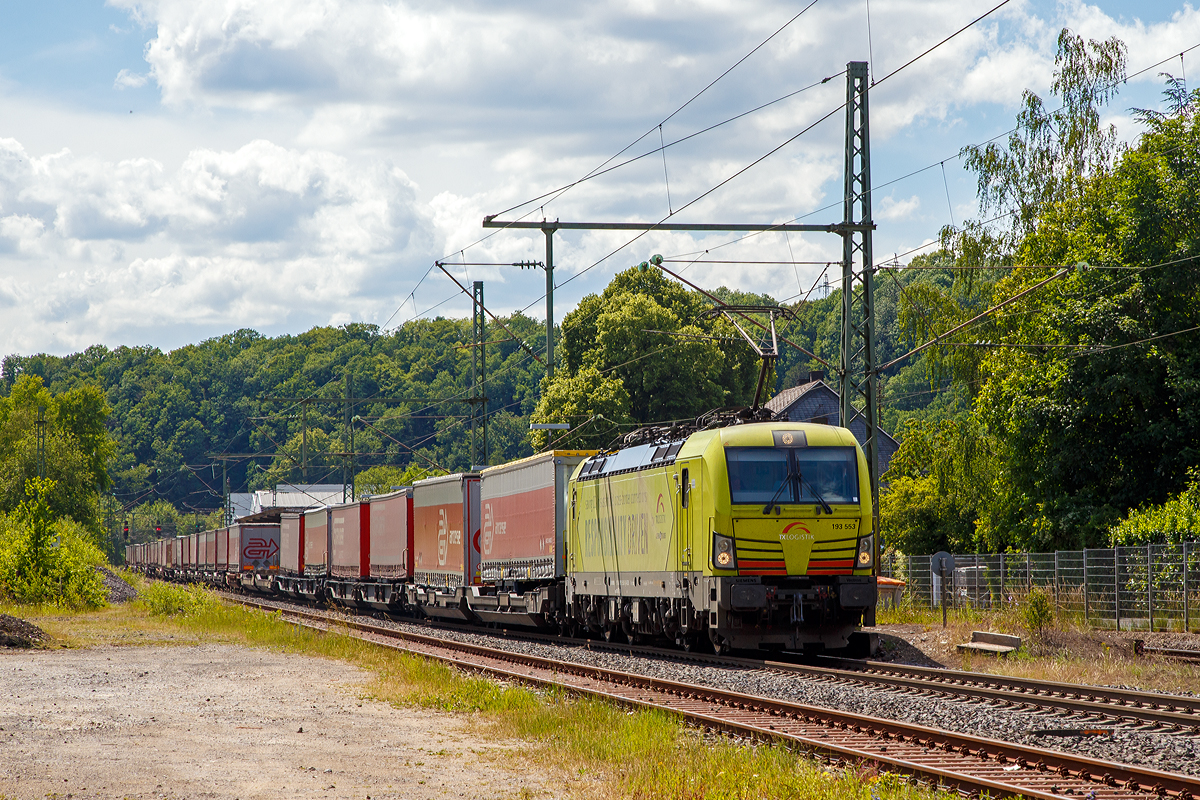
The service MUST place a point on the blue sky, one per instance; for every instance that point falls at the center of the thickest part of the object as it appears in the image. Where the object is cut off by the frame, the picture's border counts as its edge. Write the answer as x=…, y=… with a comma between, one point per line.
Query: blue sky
x=171, y=170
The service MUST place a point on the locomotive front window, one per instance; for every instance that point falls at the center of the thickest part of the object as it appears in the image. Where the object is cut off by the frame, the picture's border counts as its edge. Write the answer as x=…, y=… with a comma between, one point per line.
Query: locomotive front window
x=756, y=474
x=831, y=472
x=791, y=475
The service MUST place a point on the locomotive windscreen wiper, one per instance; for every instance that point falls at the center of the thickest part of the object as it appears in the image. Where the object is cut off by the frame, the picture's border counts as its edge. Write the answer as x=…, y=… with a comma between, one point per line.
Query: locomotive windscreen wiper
x=825, y=506
x=786, y=480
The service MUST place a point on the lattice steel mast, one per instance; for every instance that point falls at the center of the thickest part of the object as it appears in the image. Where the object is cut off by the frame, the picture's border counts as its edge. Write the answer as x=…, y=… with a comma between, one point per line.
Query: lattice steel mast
x=858, y=380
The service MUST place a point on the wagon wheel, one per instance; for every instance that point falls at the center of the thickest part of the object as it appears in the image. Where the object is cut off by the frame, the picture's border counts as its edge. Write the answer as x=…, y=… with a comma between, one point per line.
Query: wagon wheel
x=612, y=632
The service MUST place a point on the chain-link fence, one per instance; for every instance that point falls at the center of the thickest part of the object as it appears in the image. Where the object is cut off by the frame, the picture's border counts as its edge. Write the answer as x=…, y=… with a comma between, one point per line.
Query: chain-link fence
x=1154, y=587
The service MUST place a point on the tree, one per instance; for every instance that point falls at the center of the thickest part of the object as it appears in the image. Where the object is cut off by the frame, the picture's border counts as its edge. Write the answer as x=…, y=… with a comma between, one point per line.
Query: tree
x=76, y=448
x=595, y=405
x=1106, y=418
x=383, y=478
x=1051, y=155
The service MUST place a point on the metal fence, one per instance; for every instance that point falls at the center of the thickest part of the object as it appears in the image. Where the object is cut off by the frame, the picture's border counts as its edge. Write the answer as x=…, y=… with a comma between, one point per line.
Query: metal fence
x=1153, y=587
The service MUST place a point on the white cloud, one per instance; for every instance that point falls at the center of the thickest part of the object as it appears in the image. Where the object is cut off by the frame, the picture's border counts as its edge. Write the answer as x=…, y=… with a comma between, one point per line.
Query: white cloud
x=892, y=209
x=263, y=234
x=130, y=80
x=310, y=158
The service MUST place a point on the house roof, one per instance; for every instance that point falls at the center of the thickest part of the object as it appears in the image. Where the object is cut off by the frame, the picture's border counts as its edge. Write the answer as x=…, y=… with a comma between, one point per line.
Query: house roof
x=787, y=397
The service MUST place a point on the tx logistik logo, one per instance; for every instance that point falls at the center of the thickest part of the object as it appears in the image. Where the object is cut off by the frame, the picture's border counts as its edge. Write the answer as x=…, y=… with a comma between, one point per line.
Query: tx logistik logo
x=443, y=537
x=487, y=529
x=796, y=532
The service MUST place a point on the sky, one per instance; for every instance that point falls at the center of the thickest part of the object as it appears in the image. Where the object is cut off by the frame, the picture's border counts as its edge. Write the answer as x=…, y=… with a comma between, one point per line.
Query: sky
x=173, y=170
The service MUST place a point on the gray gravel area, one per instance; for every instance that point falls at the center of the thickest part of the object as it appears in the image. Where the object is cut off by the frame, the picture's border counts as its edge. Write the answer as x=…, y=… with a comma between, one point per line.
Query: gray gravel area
x=1171, y=752
x=118, y=590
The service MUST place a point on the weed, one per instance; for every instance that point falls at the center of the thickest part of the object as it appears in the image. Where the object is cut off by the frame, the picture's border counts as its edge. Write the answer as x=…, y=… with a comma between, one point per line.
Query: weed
x=164, y=599
x=1037, y=611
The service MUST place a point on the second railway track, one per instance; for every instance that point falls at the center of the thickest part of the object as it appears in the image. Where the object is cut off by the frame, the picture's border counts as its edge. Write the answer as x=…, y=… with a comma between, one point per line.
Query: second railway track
x=966, y=763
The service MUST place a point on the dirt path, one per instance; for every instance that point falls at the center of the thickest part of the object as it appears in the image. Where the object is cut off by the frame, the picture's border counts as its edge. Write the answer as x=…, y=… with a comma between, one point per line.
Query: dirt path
x=218, y=721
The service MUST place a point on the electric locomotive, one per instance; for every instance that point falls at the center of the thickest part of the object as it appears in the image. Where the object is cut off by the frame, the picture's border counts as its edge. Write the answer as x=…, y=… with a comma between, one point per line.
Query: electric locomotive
x=751, y=536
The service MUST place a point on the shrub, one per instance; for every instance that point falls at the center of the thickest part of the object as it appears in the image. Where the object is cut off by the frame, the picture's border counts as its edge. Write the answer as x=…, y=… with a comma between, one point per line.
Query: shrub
x=1176, y=520
x=1038, y=611
x=44, y=560
x=166, y=600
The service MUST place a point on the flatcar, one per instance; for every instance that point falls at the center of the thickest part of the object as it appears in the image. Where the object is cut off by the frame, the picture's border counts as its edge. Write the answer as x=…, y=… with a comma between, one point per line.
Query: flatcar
x=750, y=536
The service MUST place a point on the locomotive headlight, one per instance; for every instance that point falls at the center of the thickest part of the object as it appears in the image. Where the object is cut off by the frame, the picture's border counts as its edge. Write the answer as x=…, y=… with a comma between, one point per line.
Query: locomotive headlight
x=866, y=553
x=724, y=556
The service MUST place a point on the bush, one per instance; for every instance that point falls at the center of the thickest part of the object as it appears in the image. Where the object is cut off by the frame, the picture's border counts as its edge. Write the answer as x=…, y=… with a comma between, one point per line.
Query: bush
x=1038, y=611
x=44, y=560
x=1176, y=520
x=166, y=600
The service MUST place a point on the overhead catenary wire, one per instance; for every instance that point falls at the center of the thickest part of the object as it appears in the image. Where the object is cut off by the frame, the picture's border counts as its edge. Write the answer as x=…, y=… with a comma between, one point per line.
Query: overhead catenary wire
x=594, y=172
x=879, y=186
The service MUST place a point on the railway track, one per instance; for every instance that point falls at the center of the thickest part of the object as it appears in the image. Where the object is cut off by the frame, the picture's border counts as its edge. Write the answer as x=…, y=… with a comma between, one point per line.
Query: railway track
x=965, y=763
x=1091, y=706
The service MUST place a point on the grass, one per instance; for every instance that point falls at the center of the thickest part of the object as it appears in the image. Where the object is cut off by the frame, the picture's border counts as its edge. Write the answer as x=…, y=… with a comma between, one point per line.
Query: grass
x=597, y=748
x=1067, y=651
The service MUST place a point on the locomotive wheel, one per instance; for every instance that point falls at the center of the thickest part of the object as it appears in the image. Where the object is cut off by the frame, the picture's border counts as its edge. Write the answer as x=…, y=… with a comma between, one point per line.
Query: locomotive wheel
x=612, y=632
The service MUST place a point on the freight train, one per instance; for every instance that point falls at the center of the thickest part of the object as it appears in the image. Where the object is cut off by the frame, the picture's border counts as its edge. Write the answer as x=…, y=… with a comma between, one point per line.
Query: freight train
x=754, y=536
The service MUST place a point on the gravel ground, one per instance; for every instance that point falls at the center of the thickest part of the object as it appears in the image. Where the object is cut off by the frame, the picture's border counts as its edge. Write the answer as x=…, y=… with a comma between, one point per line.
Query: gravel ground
x=220, y=722
x=1164, y=751
x=16, y=632
x=118, y=590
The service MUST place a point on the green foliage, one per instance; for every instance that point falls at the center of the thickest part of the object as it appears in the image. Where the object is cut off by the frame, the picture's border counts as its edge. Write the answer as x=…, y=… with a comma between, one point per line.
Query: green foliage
x=158, y=518
x=1037, y=611
x=938, y=484
x=44, y=560
x=165, y=599
x=651, y=335
x=1077, y=414
x=1051, y=155
x=171, y=411
x=595, y=405
x=383, y=478
x=1176, y=520
x=77, y=448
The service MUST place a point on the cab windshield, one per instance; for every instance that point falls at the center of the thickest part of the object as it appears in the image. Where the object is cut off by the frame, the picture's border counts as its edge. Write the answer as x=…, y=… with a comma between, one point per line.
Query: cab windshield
x=792, y=475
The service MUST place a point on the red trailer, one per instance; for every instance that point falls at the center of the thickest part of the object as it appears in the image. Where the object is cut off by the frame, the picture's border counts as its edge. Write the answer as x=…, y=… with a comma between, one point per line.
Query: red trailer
x=392, y=534
x=222, y=549
x=446, y=530
x=350, y=540
x=524, y=506
x=445, y=544
x=208, y=551
x=254, y=555
x=314, y=551
x=316, y=542
x=291, y=544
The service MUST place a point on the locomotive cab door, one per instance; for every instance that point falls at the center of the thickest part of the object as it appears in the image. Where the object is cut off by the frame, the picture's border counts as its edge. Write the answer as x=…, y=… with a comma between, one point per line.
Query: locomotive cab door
x=686, y=513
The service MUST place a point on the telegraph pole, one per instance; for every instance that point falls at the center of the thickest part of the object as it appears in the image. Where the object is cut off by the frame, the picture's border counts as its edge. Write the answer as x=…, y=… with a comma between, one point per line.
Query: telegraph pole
x=549, y=301
x=347, y=477
x=478, y=376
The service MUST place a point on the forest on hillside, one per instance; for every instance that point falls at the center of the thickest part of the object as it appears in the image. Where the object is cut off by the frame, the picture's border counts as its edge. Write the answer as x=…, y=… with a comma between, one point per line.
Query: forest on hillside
x=1068, y=416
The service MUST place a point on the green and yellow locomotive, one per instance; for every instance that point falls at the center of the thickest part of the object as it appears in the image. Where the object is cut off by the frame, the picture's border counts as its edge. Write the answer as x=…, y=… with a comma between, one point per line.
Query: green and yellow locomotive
x=752, y=536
